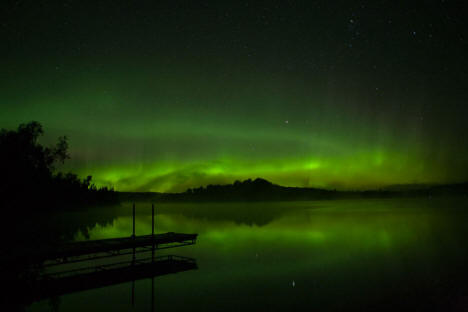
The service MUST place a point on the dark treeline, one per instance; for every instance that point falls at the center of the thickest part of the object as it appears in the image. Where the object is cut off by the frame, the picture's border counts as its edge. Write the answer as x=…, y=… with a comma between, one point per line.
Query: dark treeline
x=253, y=190
x=30, y=180
x=33, y=195
x=32, y=191
x=263, y=190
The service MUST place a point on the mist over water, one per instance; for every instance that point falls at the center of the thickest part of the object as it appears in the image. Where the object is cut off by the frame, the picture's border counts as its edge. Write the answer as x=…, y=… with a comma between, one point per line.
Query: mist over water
x=328, y=255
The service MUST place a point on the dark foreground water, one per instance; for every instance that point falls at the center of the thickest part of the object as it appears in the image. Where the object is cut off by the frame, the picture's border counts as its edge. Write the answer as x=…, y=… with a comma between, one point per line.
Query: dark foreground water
x=371, y=255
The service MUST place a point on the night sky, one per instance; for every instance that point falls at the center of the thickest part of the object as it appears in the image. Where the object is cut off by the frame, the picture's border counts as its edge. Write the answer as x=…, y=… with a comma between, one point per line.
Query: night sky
x=335, y=94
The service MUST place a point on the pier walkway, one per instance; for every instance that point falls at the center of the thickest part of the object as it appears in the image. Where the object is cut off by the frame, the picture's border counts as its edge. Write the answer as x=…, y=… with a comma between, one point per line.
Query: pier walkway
x=61, y=283
x=95, y=249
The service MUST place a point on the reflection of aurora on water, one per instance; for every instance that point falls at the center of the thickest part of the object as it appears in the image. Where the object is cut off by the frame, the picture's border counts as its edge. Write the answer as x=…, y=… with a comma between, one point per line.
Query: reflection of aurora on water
x=355, y=227
x=413, y=249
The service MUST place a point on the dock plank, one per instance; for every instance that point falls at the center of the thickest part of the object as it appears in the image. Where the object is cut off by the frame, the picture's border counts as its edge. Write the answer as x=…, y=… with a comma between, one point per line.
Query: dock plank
x=111, y=245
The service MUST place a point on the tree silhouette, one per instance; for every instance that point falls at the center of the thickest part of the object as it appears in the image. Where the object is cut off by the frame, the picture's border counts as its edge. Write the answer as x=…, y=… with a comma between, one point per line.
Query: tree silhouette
x=29, y=175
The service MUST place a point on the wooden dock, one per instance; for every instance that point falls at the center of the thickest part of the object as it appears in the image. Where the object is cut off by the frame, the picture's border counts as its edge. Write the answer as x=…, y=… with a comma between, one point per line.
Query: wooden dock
x=95, y=249
x=78, y=251
x=33, y=279
x=61, y=283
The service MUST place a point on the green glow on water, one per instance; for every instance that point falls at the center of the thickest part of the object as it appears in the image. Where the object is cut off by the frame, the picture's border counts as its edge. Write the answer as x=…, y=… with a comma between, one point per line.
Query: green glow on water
x=250, y=250
x=364, y=225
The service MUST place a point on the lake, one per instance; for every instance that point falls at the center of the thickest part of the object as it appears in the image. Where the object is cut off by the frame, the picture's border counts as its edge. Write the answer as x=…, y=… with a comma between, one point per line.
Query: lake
x=372, y=254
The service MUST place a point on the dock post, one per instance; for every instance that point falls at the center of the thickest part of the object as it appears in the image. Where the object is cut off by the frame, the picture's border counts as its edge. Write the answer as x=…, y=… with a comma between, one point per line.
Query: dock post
x=133, y=235
x=133, y=293
x=152, y=220
x=152, y=231
x=152, y=294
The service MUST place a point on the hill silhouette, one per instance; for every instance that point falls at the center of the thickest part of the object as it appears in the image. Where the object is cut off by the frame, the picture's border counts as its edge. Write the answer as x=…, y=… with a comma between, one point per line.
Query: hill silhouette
x=262, y=190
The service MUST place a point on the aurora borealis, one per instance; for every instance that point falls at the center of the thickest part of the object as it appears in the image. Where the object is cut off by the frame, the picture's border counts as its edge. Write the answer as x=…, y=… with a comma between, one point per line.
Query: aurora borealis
x=334, y=94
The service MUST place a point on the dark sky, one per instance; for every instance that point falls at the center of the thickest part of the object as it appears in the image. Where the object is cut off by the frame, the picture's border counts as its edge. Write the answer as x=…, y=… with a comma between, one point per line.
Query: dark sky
x=161, y=97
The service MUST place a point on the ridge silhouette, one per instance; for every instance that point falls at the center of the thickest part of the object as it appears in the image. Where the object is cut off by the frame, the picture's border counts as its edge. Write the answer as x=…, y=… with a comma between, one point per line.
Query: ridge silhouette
x=263, y=190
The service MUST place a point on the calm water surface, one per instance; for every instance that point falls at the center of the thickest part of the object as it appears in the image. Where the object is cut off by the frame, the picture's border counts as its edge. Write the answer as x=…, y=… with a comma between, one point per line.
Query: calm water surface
x=330, y=255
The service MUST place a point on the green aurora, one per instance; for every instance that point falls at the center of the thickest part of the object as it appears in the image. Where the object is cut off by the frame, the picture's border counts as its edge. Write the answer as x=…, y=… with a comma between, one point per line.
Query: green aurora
x=294, y=103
